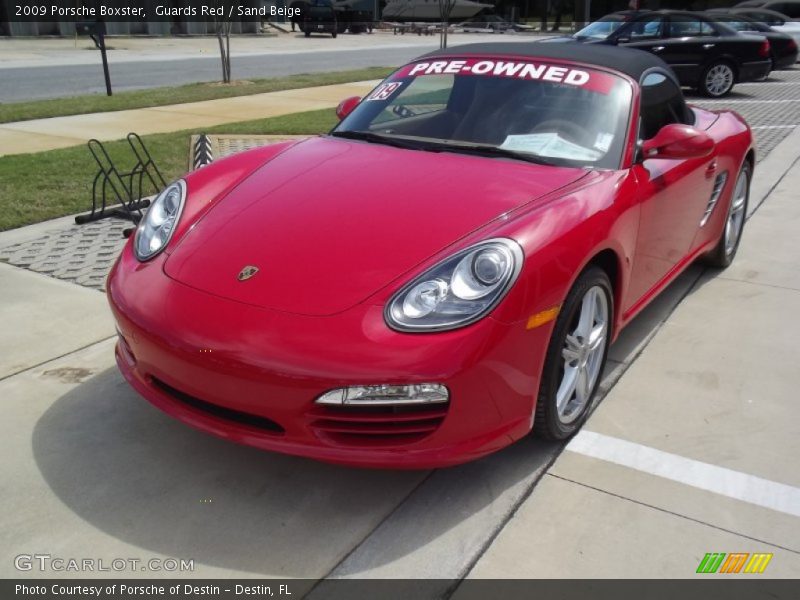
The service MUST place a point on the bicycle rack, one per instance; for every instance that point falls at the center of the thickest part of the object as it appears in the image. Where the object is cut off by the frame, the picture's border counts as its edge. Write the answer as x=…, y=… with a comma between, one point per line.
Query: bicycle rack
x=126, y=188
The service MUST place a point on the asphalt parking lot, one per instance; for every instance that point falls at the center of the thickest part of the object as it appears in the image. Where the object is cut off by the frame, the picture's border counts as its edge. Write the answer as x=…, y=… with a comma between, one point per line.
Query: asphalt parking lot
x=690, y=450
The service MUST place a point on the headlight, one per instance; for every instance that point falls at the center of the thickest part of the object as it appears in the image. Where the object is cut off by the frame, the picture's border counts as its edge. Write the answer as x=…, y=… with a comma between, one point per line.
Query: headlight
x=158, y=224
x=459, y=290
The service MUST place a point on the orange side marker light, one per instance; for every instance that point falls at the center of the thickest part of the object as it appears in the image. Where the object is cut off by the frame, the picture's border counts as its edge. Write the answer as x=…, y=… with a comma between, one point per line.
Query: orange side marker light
x=542, y=317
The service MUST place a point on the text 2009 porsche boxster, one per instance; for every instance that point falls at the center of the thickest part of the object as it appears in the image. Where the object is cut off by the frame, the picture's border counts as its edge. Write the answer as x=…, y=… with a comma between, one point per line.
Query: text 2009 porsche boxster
x=441, y=273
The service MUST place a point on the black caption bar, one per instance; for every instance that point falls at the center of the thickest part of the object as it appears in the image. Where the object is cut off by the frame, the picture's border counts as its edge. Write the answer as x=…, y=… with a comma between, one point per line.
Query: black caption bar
x=138, y=11
x=403, y=589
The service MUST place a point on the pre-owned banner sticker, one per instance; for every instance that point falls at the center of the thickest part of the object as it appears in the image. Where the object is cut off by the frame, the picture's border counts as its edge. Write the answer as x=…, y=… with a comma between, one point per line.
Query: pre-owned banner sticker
x=534, y=71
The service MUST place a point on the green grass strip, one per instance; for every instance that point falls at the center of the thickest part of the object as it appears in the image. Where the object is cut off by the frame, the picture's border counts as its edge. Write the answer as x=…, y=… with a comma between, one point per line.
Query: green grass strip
x=45, y=185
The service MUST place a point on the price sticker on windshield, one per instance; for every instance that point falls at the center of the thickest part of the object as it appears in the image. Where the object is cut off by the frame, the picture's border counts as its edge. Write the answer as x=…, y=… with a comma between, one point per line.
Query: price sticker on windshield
x=384, y=91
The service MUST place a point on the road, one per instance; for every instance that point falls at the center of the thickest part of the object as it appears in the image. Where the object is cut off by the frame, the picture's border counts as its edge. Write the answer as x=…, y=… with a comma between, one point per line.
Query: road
x=26, y=83
x=52, y=68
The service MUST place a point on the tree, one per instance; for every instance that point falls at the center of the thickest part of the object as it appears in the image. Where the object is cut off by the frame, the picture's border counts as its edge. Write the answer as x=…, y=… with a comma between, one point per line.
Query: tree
x=222, y=28
x=445, y=8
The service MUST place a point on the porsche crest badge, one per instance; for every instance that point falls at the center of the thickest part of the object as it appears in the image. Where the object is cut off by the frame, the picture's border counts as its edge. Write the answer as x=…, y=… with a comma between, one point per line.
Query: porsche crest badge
x=247, y=272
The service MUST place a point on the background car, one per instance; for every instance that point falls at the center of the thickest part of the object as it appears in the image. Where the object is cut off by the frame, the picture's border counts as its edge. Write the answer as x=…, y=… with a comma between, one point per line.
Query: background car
x=491, y=24
x=444, y=270
x=775, y=20
x=790, y=8
x=704, y=54
x=320, y=17
x=783, y=47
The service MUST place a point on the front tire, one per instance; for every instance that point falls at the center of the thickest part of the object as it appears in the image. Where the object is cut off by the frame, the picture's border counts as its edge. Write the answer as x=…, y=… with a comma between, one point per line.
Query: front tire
x=717, y=79
x=575, y=357
x=725, y=251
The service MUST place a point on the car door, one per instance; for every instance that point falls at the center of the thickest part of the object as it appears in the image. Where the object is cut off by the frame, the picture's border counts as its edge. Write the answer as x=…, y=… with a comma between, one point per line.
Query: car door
x=644, y=33
x=651, y=32
x=673, y=193
x=691, y=43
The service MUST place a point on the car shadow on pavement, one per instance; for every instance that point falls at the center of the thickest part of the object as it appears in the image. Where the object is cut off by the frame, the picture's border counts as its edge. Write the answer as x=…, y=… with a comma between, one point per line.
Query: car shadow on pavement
x=153, y=483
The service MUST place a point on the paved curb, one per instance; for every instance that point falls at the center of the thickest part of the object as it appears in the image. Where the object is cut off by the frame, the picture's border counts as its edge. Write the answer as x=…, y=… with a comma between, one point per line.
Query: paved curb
x=771, y=171
x=456, y=552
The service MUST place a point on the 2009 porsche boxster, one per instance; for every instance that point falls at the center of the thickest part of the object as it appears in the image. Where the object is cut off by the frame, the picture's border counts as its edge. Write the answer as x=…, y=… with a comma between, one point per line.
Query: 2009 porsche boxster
x=441, y=273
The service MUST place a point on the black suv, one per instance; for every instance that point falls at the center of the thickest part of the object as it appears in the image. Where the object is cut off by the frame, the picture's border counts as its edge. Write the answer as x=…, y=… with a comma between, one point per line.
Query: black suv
x=319, y=17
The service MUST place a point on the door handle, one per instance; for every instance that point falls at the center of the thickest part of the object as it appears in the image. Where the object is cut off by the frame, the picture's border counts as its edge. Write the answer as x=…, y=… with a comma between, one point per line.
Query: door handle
x=708, y=46
x=711, y=169
x=658, y=48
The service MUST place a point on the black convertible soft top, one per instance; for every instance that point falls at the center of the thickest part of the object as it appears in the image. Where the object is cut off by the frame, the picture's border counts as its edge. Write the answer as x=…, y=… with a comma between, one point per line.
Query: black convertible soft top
x=625, y=60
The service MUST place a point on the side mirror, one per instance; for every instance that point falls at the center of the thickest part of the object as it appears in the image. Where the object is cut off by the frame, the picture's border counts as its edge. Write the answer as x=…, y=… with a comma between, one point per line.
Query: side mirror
x=346, y=106
x=678, y=141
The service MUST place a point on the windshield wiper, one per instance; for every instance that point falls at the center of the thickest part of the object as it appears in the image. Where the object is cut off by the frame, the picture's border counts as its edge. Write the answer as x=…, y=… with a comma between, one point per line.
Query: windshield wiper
x=495, y=151
x=375, y=138
x=476, y=149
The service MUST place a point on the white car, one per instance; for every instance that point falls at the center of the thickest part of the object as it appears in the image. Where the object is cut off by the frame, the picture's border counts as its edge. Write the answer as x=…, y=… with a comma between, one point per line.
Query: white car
x=776, y=20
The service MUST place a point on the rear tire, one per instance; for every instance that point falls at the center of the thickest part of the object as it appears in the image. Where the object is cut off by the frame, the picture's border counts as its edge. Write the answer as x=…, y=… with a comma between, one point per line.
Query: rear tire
x=725, y=251
x=717, y=79
x=575, y=357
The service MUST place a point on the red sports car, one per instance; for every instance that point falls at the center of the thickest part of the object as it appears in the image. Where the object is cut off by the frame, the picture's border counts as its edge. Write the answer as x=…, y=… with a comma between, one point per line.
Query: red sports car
x=441, y=273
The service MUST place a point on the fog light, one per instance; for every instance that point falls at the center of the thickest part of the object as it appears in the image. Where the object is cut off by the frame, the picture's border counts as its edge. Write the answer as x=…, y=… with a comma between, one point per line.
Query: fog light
x=382, y=395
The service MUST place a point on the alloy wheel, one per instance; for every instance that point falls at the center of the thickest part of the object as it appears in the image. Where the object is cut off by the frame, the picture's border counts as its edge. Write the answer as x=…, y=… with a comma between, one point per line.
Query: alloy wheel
x=583, y=353
x=735, y=222
x=719, y=79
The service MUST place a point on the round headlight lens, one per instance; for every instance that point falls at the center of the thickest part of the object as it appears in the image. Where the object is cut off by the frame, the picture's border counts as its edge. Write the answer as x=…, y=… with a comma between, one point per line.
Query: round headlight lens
x=489, y=266
x=423, y=298
x=159, y=222
x=479, y=273
x=459, y=290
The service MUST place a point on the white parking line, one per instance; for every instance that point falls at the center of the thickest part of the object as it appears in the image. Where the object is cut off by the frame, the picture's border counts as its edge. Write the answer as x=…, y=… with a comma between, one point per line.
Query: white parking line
x=723, y=101
x=726, y=482
x=774, y=127
x=770, y=83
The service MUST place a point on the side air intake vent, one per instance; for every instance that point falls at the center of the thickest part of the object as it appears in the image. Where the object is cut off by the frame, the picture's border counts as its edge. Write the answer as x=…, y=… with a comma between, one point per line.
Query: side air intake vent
x=719, y=184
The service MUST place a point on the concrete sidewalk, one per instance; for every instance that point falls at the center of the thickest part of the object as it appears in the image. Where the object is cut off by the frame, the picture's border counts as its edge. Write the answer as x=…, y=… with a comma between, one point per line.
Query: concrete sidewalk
x=693, y=451
x=38, y=135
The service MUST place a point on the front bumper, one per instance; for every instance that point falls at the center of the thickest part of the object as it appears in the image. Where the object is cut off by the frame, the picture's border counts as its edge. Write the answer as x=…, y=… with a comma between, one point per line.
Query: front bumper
x=251, y=375
x=753, y=71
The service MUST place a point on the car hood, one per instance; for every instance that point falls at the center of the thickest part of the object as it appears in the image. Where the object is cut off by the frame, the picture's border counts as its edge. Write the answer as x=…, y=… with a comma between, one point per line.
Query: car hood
x=328, y=222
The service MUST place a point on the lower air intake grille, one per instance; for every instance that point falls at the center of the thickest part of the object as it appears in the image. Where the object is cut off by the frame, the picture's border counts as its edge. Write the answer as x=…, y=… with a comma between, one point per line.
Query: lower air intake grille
x=382, y=425
x=220, y=412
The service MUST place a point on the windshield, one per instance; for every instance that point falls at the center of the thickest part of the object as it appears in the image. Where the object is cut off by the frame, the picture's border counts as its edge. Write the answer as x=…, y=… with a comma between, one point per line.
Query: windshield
x=540, y=112
x=601, y=29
